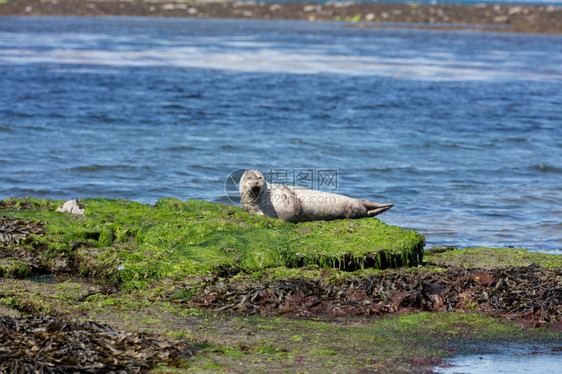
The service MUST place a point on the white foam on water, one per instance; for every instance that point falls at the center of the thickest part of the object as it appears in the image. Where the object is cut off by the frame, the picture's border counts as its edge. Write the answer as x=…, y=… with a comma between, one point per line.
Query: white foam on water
x=234, y=54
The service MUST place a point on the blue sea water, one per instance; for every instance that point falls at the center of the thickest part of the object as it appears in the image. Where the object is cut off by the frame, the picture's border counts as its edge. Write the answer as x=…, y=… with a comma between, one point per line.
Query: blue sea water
x=461, y=130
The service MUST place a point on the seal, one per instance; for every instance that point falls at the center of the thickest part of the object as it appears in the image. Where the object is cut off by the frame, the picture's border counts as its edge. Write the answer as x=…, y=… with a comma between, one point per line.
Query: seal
x=295, y=204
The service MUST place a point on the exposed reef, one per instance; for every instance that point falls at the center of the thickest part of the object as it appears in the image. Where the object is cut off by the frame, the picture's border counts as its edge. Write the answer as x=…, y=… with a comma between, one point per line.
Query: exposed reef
x=134, y=243
x=484, y=17
x=207, y=287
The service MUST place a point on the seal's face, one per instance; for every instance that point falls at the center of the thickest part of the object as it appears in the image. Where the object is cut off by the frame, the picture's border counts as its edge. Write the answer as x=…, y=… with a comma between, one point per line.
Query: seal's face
x=251, y=184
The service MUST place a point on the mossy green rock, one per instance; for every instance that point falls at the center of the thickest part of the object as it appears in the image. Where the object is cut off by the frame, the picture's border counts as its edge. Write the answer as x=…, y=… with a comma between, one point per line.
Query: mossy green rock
x=138, y=242
x=487, y=258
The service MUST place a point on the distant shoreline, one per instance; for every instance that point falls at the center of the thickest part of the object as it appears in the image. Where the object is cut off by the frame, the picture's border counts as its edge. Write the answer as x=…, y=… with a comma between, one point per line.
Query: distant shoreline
x=545, y=19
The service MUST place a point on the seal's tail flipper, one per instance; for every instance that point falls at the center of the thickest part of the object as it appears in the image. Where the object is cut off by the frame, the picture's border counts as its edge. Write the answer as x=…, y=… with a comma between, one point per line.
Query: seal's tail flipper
x=375, y=208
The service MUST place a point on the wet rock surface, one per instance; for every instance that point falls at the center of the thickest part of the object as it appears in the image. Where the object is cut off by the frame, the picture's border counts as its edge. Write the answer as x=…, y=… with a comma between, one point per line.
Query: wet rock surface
x=530, y=293
x=513, y=18
x=48, y=344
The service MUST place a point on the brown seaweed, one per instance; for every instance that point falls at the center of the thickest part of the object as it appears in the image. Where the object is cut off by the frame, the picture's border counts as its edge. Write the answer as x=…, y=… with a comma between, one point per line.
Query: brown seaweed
x=14, y=230
x=531, y=293
x=48, y=344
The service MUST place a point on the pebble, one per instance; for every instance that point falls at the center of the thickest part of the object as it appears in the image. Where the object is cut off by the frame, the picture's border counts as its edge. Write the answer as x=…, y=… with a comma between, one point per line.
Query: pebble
x=501, y=19
x=515, y=10
x=338, y=4
x=310, y=8
x=243, y=3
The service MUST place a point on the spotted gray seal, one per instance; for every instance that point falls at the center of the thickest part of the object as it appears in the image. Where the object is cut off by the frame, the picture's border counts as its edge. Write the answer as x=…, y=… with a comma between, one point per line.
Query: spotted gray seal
x=295, y=204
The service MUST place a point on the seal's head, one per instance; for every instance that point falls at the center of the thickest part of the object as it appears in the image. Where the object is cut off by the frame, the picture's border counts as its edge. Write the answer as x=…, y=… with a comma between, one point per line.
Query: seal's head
x=252, y=184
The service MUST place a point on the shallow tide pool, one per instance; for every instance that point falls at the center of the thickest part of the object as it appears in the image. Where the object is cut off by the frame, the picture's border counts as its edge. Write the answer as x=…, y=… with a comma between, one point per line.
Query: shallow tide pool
x=512, y=359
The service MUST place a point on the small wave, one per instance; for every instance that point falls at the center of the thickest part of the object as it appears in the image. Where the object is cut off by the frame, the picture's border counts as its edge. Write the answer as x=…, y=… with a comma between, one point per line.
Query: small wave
x=14, y=113
x=520, y=139
x=174, y=107
x=379, y=170
x=181, y=148
x=402, y=170
x=547, y=169
x=228, y=147
x=104, y=118
x=202, y=171
x=83, y=70
x=34, y=192
x=321, y=116
x=96, y=168
x=555, y=227
x=468, y=181
x=5, y=128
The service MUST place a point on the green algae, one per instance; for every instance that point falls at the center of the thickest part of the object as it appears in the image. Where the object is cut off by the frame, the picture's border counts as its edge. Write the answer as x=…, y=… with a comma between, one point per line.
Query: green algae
x=352, y=245
x=229, y=342
x=135, y=242
x=397, y=344
x=14, y=268
x=169, y=248
x=29, y=203
x=481, y=257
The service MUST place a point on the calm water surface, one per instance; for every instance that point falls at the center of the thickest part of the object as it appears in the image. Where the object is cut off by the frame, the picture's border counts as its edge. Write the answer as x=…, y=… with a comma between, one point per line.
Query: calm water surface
x=511, y=359
x=461, y=130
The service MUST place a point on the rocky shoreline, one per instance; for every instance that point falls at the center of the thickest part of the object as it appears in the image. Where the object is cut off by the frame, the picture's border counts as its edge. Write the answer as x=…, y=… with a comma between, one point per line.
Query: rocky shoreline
x=128, y=287
x=484, y=17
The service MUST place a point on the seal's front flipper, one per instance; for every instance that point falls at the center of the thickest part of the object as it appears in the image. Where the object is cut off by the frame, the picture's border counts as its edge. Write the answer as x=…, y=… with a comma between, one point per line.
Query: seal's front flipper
x=375, y=208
